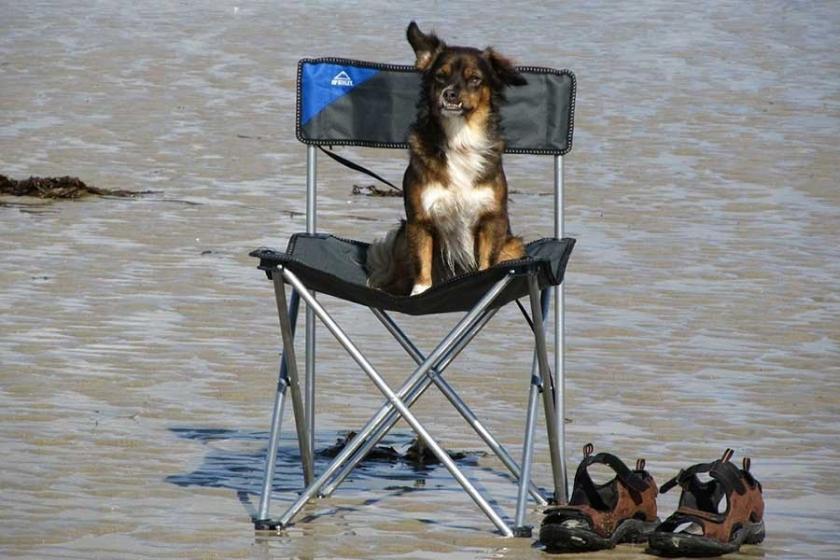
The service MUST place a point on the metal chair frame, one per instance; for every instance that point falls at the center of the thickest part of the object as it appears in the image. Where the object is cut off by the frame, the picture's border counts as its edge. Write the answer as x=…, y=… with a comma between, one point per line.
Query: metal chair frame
x=429, y=371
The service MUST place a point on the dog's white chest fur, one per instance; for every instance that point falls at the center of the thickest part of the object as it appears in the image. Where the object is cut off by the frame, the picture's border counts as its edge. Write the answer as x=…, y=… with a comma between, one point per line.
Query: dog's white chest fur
x=456, y=208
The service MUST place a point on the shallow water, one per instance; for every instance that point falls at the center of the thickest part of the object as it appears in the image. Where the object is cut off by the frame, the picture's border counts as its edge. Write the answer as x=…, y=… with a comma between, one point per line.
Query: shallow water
x=138, y=346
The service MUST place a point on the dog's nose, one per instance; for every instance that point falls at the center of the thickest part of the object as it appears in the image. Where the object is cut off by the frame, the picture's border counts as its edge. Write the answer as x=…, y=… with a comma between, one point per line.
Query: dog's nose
x=450, y=95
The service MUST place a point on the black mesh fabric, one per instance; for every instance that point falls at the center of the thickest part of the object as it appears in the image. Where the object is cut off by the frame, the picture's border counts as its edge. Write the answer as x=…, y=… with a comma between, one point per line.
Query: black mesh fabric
x=336, y=267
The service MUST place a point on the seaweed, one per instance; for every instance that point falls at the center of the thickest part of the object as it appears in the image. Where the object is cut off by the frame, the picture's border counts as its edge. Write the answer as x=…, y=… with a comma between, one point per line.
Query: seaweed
x=373, y=190
x=58, y=187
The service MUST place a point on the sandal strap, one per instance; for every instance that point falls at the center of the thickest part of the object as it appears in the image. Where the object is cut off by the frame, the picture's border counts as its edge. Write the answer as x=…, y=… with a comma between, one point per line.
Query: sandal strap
x=723, y=471
x=624, y=474
x=684, y=515
x=688, y=513
x=684, y=476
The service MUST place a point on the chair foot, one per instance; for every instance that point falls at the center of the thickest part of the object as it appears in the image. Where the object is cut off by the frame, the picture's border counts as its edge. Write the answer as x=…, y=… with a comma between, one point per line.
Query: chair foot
x=525, y=531
x=267, y=525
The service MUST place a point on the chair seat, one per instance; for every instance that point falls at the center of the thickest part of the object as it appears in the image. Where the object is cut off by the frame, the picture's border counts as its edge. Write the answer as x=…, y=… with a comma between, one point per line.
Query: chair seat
x=336, y=267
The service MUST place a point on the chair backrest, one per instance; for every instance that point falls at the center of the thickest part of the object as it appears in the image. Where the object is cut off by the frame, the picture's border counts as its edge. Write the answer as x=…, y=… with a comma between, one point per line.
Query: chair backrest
x=348, y=102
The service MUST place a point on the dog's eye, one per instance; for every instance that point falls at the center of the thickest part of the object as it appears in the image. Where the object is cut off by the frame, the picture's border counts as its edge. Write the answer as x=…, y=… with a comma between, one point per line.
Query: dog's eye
x=440, y=78
x=475, y=82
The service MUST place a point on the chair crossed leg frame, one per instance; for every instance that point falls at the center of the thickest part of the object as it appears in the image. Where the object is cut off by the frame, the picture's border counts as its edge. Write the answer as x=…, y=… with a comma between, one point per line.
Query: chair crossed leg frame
x=429, y=371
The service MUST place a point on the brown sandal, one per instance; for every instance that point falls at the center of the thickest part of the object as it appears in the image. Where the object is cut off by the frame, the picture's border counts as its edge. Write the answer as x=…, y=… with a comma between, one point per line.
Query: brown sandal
x=600, y=516
x=698, y=528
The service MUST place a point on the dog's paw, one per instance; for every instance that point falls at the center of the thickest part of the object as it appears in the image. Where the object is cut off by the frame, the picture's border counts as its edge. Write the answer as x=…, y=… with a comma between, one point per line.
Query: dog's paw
x=420, y=288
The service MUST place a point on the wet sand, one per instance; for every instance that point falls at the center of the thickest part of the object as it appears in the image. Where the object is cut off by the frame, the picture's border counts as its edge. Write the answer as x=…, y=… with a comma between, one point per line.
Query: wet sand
x=138, y=348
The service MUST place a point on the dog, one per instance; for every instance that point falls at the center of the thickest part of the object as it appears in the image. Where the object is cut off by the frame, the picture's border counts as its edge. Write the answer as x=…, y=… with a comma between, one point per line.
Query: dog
x=454, y=188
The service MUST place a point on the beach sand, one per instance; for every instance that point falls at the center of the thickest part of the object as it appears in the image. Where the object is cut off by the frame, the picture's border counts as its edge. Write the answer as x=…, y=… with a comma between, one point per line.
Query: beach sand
x=138, y=342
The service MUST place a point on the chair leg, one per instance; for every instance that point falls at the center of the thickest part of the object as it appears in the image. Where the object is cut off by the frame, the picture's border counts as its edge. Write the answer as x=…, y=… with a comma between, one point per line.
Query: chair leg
x=536, y=387
x=527, y=452
x=309, y=379
x=395, y=400
x=561, y=496
x=263, y=520
x=545, y=375
x=294, y=379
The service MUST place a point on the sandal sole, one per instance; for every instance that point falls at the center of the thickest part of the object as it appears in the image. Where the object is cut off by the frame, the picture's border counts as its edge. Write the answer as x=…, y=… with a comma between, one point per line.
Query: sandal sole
x=681, y=544
x=562, y=539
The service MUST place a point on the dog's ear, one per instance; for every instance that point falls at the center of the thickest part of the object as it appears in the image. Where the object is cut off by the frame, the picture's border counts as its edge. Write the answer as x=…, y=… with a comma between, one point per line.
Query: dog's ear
x=426, y=47
x=504, y=68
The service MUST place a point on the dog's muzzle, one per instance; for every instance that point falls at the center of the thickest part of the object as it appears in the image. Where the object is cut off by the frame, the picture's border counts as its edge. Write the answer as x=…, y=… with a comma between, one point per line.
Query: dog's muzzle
x=450, y=104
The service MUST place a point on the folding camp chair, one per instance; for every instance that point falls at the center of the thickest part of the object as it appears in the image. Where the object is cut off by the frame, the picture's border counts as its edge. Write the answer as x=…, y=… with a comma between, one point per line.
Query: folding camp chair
x=346, y=102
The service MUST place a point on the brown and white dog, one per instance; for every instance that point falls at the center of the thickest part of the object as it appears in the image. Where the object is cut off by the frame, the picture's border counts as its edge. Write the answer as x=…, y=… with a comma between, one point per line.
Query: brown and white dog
x=454, y=189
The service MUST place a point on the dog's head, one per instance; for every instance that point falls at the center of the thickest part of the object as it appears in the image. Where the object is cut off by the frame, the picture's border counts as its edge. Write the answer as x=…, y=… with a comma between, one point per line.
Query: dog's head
x=458, y=81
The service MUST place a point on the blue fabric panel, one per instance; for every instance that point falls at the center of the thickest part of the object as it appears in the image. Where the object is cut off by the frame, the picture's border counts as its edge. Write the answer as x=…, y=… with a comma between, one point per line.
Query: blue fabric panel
x=321, y=84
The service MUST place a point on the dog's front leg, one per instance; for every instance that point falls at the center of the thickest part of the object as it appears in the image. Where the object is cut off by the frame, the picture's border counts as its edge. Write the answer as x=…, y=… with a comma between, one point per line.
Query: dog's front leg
x=420, y=246
x=490, y=236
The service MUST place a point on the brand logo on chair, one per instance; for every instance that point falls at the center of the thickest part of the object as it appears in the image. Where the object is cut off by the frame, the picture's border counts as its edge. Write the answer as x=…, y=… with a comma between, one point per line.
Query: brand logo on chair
x=342, y=79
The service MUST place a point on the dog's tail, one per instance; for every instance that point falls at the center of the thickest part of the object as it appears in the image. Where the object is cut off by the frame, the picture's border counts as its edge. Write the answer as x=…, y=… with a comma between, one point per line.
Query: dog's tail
x=384, y=258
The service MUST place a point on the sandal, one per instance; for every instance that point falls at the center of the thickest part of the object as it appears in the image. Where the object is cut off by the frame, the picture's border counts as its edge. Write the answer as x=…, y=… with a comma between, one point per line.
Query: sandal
x=698, y=528
x=600, y=516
